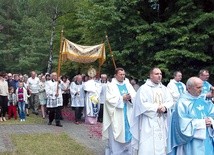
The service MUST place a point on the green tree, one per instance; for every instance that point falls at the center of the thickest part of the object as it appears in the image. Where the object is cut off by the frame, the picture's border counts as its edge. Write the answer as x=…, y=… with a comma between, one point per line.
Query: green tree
x=173, y=35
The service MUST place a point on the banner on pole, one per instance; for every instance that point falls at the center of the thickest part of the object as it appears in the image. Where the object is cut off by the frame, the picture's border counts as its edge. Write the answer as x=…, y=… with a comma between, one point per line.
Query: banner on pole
x=83, y=54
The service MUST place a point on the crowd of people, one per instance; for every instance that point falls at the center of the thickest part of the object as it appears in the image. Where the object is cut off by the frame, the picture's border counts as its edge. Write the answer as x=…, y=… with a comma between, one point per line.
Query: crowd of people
x=176, y=119
x=49, y=94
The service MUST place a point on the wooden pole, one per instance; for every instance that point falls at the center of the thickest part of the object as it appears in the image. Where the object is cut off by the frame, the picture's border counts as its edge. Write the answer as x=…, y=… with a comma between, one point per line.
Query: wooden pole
x=59, y=61
x=60, y=55
x=99, y=69
x=112, y=56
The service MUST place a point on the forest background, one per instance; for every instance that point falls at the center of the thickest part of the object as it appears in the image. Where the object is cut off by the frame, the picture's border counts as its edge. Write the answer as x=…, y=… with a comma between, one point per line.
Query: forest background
x=170, y=34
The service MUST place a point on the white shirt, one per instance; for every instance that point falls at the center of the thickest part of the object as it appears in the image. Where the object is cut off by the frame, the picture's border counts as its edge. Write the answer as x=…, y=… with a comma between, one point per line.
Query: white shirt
x=65, y=86
x=33, y=84
x=3, y=88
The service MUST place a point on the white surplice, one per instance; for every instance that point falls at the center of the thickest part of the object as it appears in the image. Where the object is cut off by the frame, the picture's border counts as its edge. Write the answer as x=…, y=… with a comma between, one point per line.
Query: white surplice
x=148, y=128
x=77, y=99
x=52, y=88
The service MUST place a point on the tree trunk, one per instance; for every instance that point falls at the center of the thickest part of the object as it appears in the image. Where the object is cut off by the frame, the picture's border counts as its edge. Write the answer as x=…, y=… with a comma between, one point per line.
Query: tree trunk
x=53, y=24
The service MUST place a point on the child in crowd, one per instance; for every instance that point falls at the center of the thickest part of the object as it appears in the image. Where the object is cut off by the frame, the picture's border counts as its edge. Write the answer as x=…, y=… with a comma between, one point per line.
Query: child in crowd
x=21, y=95
x=25, y=78
x=12, y=102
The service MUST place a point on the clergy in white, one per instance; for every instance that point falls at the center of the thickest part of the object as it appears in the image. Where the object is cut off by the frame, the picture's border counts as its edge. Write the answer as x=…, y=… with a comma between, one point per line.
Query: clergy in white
x=102, y=99
x=54, y=99
x=191, y=130
x=176, y=87
x=117, y=114
x=150, y=116
x=207, y=89
x=92, y=89
x=77, y=97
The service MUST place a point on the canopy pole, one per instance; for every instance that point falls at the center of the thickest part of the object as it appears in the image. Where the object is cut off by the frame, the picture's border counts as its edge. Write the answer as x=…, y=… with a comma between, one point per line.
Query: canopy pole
x=59, y=60
x=60, y=55
x=112, y=56
x=100, y=60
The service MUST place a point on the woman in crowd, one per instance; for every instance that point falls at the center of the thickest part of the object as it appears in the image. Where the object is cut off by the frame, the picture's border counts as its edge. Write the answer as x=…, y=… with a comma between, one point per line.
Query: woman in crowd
x=65, y=83
x=42, y=95
x=3, y=97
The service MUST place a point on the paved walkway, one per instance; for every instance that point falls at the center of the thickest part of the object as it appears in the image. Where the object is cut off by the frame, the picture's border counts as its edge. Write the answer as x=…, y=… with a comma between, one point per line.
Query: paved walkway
x=88, y=135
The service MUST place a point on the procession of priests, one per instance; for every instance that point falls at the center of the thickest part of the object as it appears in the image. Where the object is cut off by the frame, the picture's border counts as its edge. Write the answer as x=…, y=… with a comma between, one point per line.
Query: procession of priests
x=176, y=119
x=159, y=120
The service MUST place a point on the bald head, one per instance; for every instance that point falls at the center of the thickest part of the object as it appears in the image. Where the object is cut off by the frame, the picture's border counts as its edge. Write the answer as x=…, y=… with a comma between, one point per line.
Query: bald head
x=78, y=78
x=103, y=78
x=54, y=76
x=194, y=86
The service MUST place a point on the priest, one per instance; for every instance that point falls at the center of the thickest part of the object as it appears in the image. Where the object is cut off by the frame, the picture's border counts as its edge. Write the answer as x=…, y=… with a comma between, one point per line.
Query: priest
x=176, y=87
x=117, y=114
x=77, y=97
x=150, y=117
x=92, y=92
x=191, y=131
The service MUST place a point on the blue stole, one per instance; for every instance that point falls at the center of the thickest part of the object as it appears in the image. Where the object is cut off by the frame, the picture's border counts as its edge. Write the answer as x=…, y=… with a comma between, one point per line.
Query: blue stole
x=206, y=87
x=201, y=110
x=123, y=90
x=180, y=87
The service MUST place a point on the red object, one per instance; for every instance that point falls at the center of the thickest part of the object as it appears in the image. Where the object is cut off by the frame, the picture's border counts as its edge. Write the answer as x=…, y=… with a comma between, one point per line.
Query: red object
x=12, y=111
x=93, y=130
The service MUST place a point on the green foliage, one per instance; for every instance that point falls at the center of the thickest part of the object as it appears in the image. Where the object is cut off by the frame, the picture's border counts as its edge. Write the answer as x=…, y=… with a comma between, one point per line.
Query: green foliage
x=173, y=35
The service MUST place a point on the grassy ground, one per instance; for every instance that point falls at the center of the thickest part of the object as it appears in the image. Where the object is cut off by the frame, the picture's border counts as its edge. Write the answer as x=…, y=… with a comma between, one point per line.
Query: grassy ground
x=43, y=144
x=32, y=119
x=46, y=144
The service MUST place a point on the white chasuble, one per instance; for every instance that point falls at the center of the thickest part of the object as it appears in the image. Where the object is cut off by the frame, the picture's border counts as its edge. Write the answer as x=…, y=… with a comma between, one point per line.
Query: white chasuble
x=159, y=133
x=148, y=127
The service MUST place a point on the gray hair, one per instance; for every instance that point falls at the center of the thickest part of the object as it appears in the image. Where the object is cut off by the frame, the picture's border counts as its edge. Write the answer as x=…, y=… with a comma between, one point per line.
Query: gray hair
x=103, y=75
x=202, y=71
x=192, y=81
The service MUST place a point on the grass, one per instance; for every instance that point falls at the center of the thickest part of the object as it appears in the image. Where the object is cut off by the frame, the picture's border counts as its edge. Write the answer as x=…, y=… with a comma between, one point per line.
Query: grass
x=32, y=119
x=46, y=144
x=43, y=143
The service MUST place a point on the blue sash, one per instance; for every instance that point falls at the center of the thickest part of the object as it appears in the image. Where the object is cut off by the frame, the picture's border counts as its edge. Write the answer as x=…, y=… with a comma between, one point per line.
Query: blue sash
x=206, y=87
x=180, y=87
x=123, y=90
